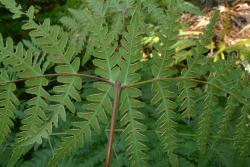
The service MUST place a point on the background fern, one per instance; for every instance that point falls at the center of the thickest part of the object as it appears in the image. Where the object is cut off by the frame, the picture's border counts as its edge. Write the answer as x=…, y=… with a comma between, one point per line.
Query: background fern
x=177, y=107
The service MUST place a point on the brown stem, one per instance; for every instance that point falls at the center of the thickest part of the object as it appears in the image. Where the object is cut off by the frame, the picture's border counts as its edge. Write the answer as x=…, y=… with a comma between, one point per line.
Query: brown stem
x=240, y=100
x=118, y=88
x=62, y=74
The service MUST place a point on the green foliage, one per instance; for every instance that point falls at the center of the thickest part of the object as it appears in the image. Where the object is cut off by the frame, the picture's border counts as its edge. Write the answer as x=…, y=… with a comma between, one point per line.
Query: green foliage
x=129, y=64
x=8, y=102
x=13, y=7
x=163, y=95
x=177, y=108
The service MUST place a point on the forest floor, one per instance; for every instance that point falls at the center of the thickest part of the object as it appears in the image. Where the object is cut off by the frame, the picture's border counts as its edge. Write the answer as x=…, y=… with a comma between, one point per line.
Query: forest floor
x=233, y=24
x=232, y=31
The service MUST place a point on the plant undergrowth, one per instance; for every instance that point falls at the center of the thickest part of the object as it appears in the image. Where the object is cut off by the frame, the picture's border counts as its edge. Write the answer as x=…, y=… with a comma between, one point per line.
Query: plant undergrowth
x=75, y=90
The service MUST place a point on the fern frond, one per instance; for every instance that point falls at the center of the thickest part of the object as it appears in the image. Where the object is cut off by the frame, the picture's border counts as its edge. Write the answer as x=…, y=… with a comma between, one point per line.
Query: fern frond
x=163, y=96
x=18, y=151
x=100, y=104
x=205, y=122
x=97, y=6
x=170, y=31
x=36, y=125
x=166, y=121
x=55, y=42
x=130, y=53
x=21, y=60
x=105, y=44
x=57, y=111
x=52, y=40
x=78, y=29
x=39, y=159
x=228, y=78
x=208, y=33
x=70, y=85
x=155, y=13
x=187, y=96
x=92, y=155
x=13, y=7
x=130, y=63
x=195, y=69
x=75, y=139
x=23, y=63
x=229, y=109
x=97, y=158
x=227, y=75
x=8, y=103
x=241, y=137
x=195, y=63
x=134, y=129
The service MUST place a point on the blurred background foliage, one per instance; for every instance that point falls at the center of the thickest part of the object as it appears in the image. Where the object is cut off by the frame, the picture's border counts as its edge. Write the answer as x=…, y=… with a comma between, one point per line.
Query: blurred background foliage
x=54, y=9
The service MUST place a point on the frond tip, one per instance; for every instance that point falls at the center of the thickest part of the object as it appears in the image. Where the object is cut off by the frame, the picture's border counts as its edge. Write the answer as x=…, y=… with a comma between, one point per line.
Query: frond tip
x=13, y=7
